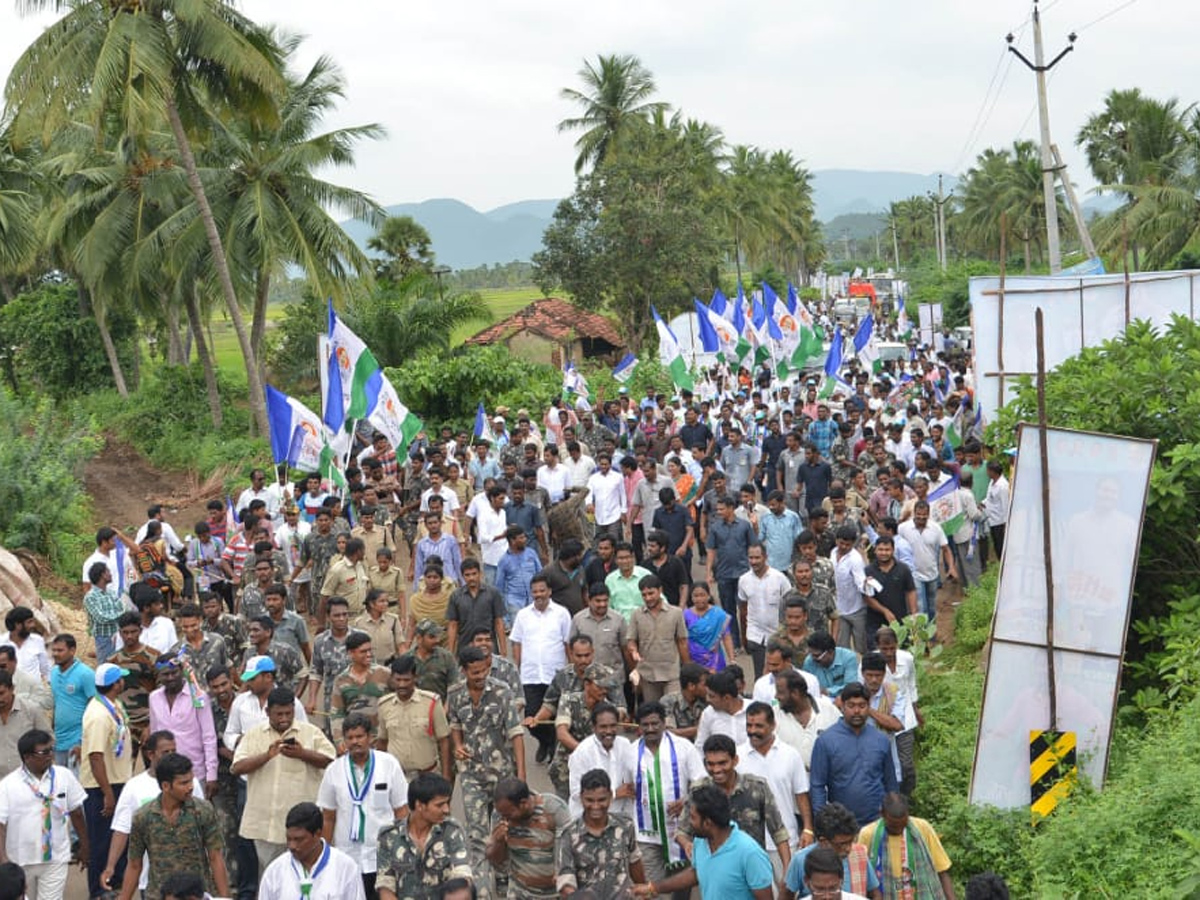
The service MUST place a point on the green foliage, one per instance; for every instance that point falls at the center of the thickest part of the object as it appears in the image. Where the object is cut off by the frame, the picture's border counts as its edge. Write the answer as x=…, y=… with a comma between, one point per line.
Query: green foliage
x=444, y=387
x=649, y=373
x=929, y=284
x=1143, y=384
x=58, y=350
x=43, y=506
x=167, y=420
x=292, y=344
x=634, y=233
x=513, y=274
x=917, y=633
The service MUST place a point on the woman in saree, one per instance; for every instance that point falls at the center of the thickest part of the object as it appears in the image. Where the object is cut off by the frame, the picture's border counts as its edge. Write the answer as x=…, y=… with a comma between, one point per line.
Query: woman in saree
x=709, y=641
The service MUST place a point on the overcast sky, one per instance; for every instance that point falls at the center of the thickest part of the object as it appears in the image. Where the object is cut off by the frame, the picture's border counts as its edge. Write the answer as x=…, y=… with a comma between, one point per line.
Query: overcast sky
x=469, y=91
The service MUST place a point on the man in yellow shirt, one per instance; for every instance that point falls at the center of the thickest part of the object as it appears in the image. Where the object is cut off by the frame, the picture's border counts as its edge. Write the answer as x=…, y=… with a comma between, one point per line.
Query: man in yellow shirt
x=105, y=764
x=907, y=854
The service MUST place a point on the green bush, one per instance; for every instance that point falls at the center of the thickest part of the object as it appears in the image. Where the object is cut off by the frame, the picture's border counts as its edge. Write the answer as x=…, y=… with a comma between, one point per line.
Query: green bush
x=43, y=506
x=58, y=349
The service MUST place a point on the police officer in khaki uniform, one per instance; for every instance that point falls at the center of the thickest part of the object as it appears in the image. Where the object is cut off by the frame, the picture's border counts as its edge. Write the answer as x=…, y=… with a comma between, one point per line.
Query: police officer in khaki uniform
x=413, y=726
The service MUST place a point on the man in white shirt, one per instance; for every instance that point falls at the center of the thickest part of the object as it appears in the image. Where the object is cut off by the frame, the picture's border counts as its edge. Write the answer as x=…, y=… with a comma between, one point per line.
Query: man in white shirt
x=27, y=796
x=928, y=543
x=579, y=465
x=607, y=750
x=138, y=791
x=270, y=494
x=780, y=765
x=250, y=706
x=437, y=486
x=802, y=715
x=119, y=559
x=361, y=792
x=553, y=478
x=311, y=868
x=726, y=711
x=490, y=526
x=996, y=504
x=539, y=638
x=760, y=604
x=32, y=657
x=850, y=580
x=780, y=657
x=155, y=514
x=606, y=498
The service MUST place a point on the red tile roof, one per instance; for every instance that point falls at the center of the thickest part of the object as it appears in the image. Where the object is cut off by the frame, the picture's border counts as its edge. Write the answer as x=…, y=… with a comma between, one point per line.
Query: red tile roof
x=555, y=319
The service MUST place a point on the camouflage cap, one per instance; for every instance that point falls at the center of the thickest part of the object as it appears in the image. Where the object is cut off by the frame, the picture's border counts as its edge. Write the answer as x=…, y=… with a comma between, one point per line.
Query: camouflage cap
x=599, y=674
x=429, y=626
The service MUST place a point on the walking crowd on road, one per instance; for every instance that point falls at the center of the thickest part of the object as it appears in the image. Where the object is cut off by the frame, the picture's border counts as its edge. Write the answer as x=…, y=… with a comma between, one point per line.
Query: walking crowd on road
x=647, y=647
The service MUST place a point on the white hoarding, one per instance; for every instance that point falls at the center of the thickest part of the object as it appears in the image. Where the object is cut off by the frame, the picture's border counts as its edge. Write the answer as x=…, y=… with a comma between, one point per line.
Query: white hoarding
x=1079, y=312
x=1098, y=486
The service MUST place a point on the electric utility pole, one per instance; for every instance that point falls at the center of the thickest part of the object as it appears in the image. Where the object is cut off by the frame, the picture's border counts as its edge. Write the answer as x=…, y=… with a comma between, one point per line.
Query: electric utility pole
x=939, y=223
x=1039, y=67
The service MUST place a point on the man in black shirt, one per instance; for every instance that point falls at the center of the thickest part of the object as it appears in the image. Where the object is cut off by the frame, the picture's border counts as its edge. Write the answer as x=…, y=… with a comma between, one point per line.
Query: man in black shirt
x=896, y=594
x=694, y=432
x=566, y=577
x=816, y=475
x=670, y=569
x=603, y=561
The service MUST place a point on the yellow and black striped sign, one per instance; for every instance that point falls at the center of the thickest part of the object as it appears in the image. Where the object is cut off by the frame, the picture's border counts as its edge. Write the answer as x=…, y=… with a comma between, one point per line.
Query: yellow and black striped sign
x=1052, y=770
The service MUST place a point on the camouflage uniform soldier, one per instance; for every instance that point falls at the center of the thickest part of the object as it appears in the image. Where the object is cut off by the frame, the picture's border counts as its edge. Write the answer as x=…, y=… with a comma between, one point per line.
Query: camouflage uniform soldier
x=220, y=689
x=573, y=722
x=139, y=659
x=822, y=576
x=751, y=803
x=504, y=670
x=488, y=746
x=525, y=830
x=289, y=664
x=600, y=850
x=211, y=653
x=436, y=671
x=821, y=605
x=683, y=715
x=330, y=656
x=408, y=872
x=359, y=687
x=317, y=551
x=232, y=629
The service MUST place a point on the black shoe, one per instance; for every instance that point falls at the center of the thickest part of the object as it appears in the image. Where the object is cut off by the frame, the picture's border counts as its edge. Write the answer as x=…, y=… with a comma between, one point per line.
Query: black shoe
x=543, y=754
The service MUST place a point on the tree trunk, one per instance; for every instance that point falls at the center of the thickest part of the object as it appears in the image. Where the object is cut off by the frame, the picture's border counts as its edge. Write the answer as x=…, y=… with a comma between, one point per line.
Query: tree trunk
x=110, y=350
x=6, y=291
x=174, y=355
x=258, y=324
x=258, y=400
x=202, y=351
x=187, y=346
x=1028, y=258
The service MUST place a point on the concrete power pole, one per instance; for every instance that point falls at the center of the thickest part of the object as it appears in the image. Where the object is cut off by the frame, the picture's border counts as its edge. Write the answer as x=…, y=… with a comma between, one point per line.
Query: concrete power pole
x=1040, y=68
x=939, y=223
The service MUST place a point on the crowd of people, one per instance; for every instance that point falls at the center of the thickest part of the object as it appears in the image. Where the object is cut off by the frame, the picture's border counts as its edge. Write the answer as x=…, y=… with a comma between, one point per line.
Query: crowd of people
x=672, y=613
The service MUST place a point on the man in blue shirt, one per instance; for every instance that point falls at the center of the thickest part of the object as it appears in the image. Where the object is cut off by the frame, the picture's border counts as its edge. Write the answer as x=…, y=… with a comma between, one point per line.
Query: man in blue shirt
x=851, y=763
x=816, y=475
x=72, y=684
x=834, y=667
x=822, y=431
x=514, y=572
x=729, y=539
x=727, y=863
x=778, y=531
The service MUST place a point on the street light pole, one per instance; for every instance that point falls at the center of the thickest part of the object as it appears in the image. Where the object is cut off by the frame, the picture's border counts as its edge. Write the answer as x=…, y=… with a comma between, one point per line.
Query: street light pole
x=438, y=272
x=1039, y=67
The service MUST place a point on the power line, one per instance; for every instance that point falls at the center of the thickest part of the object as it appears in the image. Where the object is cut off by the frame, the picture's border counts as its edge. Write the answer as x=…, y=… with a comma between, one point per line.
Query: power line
x=1109, y=14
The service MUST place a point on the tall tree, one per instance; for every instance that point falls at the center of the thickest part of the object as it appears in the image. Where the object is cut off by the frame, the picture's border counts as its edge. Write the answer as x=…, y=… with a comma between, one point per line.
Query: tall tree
x=614, y=101
x=268, y=201
x=142, y=64
x=405, y=247
x=19, y=238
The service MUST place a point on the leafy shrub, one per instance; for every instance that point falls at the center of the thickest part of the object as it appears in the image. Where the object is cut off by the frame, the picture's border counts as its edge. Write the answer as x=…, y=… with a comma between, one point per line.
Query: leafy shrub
x=58, y=348
x=43, y=506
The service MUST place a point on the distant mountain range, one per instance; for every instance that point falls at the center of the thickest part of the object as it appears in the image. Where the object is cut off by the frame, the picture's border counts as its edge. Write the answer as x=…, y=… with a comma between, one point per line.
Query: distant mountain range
x=463, y=237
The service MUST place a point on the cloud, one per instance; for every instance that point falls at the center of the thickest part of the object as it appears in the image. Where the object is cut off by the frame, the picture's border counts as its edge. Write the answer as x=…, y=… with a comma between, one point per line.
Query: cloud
x=469, y=91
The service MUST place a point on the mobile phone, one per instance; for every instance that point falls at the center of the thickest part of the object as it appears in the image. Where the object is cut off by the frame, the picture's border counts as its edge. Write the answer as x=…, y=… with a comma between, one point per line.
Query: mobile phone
x=290, y=740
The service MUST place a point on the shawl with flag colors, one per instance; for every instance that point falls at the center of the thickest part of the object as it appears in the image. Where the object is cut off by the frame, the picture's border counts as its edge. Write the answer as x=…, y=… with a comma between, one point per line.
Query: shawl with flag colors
x=670, y=355
x=354, y=378
x=574, y=384
x=299, y=437
x=624, y=370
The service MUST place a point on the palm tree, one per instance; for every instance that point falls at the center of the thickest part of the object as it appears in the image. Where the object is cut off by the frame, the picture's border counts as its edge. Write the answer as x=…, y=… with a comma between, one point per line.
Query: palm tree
x=19, y=240
x=405, y=246
x=140, y=64
x=1136, y=147
x=406, y=317
x=269, y=204
x=615, y=99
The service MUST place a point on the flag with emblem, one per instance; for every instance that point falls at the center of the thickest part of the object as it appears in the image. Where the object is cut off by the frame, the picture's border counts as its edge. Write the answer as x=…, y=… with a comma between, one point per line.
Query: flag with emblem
x=670, y=354
x=393, y=418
